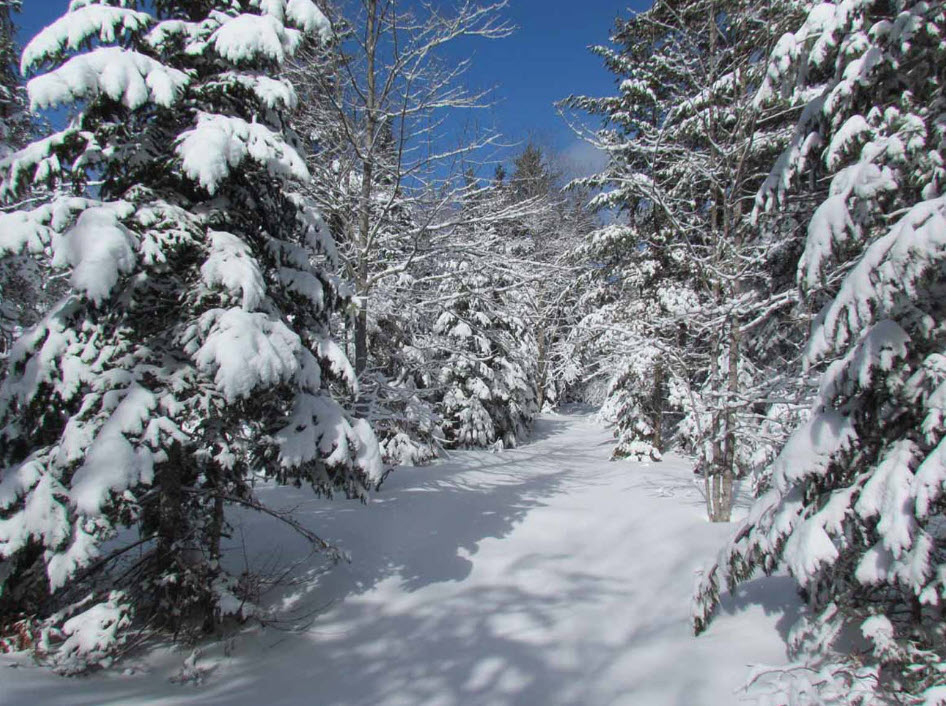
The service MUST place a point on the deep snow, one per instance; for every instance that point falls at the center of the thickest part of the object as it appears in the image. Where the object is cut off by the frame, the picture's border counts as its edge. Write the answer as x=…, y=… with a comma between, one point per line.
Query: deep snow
x=543, y=575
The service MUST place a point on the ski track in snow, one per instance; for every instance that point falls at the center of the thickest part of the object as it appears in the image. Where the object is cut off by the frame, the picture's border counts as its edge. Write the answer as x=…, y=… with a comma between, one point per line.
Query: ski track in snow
x=542, y=575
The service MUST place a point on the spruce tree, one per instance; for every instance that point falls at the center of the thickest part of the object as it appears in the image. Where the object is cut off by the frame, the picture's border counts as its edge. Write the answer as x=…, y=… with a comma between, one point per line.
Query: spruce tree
x=856, y=504
x=22, y=285
x=193, y=345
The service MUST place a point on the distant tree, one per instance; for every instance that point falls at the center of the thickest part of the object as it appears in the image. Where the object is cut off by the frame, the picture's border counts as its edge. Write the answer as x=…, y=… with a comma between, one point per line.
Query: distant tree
x=22, y=285
x=374, y=100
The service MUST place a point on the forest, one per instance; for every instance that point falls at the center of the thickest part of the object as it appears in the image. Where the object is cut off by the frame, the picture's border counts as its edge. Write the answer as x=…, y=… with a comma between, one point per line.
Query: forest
x=259, y=255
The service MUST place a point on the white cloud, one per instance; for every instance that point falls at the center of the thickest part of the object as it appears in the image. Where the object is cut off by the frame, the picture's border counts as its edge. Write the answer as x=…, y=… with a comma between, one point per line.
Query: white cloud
x=581, y=159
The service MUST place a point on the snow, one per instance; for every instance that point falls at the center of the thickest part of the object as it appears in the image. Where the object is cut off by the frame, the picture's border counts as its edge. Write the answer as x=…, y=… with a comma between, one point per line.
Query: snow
x=542, y=575
x=246, y=37
x=304, y=284
x=19, y=230
x=245, y=350
x=98, y=249
x=273, y=93
x=123, y=75
x=71, y=31
x=42, y=517
x=93, y=632
x=885, y=274
x=220, y=143
x=307, y=15
x=111, y=462
x=231, y=265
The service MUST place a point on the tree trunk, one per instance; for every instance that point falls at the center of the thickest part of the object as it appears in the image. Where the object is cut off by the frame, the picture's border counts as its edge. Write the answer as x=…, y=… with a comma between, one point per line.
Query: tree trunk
x=367, y=179
x=657, y=409
x=170, y=520
x=541, y=371
x=361, y=337
x=214, y=535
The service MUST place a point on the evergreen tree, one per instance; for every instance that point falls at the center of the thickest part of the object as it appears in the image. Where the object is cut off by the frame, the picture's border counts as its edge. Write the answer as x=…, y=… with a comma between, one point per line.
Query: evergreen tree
x=856, y=503
x=486, y=378
x=194, y=342
x=22, y=285
x=686, y=146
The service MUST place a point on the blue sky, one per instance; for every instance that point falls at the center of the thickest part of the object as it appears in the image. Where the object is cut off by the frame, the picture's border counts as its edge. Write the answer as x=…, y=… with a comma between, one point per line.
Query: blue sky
x=545, y=60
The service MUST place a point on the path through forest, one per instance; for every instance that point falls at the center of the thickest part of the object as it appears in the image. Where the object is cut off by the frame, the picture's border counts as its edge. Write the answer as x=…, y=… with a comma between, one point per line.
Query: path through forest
x=542, y=575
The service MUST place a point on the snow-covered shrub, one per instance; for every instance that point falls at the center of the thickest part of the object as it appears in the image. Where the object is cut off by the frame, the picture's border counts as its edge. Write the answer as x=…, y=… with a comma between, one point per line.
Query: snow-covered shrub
x=634, y=407
x=856, y=508
x=90, y=638
x=407, y=426
x=194, y=341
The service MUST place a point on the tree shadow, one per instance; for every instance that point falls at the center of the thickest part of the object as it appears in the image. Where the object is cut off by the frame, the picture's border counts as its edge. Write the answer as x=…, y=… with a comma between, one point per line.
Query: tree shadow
x=776, y=595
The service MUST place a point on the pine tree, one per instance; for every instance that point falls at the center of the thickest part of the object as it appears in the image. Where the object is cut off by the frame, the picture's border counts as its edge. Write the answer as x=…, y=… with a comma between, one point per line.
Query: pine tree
x=536, y=246
x=194, y=343
x=856, y=500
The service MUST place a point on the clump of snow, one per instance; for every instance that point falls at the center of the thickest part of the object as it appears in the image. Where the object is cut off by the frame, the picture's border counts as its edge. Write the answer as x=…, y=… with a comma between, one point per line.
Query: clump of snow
x=231, y=265
x=123, y=75
x=98, y=248
x=306, y=15
x=111, y=463
x=82, y=24
x=220, y=143
x=244, y=350
x=319, y=429
x=247, y=37
x=93, y=635
x=273, y=93
x=305, y=284
x=21, y=230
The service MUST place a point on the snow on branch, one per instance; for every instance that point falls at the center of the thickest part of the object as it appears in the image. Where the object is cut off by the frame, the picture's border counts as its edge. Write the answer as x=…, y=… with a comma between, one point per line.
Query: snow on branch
x=244, y=350
x=247, y=37
x=888, y=272
x=79, y=27
x=123, y=75
x=220, y=143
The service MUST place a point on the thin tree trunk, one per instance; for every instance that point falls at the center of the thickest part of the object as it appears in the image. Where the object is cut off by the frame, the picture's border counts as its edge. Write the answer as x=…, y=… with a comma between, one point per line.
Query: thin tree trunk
x=170, y=520
x=214, y=535
x=367, y=182
x=657, y=409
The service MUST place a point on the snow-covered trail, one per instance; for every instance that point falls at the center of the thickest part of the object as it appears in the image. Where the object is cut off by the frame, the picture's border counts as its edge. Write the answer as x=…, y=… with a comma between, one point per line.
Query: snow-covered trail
x=543, y=575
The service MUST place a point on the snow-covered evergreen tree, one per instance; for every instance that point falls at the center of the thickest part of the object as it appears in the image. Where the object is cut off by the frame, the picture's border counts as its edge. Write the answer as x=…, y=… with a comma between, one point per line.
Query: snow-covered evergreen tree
x=486, y=380
x=194, y=342
x=22, y=282
x=856, y=505
x=686, y=146
x=541, y=246
x=484, y=353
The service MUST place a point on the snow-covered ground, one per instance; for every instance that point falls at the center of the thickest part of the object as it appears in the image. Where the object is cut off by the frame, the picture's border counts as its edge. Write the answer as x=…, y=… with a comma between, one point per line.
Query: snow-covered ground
x=543, y=575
